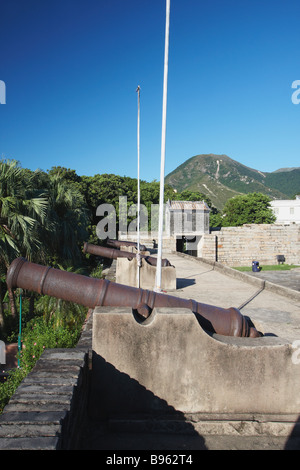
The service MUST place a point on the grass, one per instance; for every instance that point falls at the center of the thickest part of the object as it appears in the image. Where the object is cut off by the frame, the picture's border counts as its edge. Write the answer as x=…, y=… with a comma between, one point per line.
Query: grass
x=271, y=267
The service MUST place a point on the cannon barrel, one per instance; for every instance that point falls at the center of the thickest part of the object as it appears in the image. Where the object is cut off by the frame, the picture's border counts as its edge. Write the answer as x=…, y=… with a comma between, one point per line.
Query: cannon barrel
x=112, y=253
x=92, y=292
x=118, y=243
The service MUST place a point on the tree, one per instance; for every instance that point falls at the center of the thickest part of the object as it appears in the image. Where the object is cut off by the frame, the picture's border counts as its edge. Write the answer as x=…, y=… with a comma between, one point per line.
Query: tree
x=215, y=217
x=67, y=222
x=188, y=195
x=23, y=211
x=253, y=208
x=61, y=312
x=42, y=217
x=65, y=173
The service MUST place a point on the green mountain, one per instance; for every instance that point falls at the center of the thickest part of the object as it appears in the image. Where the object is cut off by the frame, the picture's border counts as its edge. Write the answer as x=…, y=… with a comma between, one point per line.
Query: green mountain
x=220, y=177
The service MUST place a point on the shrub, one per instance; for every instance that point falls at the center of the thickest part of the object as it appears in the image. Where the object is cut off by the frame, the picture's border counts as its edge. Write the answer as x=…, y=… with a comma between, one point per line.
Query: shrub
x=8, y=388
x=39, y=335
x=36, y=337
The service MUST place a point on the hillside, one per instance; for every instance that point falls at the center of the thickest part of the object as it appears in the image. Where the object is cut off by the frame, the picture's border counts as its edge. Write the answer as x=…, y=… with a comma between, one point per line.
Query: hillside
x=220, y=177
x=286, y=180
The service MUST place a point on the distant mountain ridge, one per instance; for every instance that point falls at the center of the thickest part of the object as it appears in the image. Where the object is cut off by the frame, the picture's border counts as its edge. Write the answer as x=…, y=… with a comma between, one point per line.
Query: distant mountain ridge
x=220, y=177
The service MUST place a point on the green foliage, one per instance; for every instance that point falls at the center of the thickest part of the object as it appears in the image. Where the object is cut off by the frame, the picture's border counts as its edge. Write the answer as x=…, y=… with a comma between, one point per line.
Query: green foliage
x=37, y=336
x=10, y=325
x=60, y=312
x=69, y=218
x=106, y=189
x=188, y=195
x=8, y=388
x=23, y=208
x=43, y=217
x=268, y=267
x=40, y=334
x=97, y=271
x=253, y=208
x=215, y=219
x=288, y=182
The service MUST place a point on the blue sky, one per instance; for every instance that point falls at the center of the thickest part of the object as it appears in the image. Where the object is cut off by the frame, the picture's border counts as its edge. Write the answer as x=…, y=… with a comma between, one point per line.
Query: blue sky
x=71, y=69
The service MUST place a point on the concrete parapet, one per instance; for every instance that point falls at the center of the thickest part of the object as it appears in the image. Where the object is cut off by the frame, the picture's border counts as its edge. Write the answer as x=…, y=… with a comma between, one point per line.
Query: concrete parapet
x=126, y=273
x=169, y=365
x=243, y=276
x=150, y=239
x=133, y=249
x=163, y=377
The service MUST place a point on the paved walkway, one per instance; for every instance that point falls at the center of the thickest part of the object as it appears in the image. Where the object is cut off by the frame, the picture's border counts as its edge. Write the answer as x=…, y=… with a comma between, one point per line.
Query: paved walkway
x=288, y=278
x=273, y=314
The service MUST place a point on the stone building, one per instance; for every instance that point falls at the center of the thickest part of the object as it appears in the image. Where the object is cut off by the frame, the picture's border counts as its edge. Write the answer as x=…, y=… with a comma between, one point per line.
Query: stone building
x=186, y=222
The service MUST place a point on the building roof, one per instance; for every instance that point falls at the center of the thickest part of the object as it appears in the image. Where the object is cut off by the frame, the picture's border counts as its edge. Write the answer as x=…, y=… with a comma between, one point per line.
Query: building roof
x=187, y=205
x=285, y=202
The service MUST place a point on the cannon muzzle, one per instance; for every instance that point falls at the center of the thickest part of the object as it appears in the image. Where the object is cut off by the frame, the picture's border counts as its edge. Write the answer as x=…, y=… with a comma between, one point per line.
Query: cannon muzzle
x=112, y=253
x=92, y=292
x=118, y=243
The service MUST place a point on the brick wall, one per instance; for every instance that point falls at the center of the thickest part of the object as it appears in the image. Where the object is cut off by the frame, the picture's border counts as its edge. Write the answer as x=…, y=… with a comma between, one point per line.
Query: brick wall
x=239, y=246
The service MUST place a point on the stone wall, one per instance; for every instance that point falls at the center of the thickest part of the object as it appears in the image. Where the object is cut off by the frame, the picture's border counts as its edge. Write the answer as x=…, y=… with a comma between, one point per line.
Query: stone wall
x=239, y=246
x=49, y=407
x=150, y=239
x=126, y=273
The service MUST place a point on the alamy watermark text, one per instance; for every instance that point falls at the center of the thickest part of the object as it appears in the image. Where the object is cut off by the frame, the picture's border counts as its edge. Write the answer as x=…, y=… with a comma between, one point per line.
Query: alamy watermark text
x=2, y=92
x=296, y=94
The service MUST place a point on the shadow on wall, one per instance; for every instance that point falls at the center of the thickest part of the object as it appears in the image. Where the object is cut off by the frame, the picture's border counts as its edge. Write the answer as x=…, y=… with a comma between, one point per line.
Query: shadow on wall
x=124, y=415
x=293, y=441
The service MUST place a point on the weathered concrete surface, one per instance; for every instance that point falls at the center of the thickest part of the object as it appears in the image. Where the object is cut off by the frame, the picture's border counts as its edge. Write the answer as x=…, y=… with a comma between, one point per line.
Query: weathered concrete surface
x=157, y=392
x=217, y=374
x=276, y=312
x=274, y=308
x=289, y=278
x=126, y=273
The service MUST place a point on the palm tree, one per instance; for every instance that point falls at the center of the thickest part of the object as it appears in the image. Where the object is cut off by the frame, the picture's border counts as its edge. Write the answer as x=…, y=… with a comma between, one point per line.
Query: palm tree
x=68, y=214
x=22, y=208
x=61, y=312
x=22, y=214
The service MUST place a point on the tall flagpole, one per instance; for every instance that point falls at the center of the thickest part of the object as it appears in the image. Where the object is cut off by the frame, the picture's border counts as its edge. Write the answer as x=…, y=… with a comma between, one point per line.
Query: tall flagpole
x=163, y=152
x=138, y=258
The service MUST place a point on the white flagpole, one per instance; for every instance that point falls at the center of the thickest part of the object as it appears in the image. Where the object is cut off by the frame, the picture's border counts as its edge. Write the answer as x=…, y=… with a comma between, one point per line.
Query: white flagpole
x=163, y=151
x=138, y=258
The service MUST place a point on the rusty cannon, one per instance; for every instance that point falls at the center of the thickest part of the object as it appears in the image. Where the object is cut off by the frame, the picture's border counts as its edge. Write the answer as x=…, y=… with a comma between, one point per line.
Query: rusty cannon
x=92, y=292
x=119, y=243
x=112, y=253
